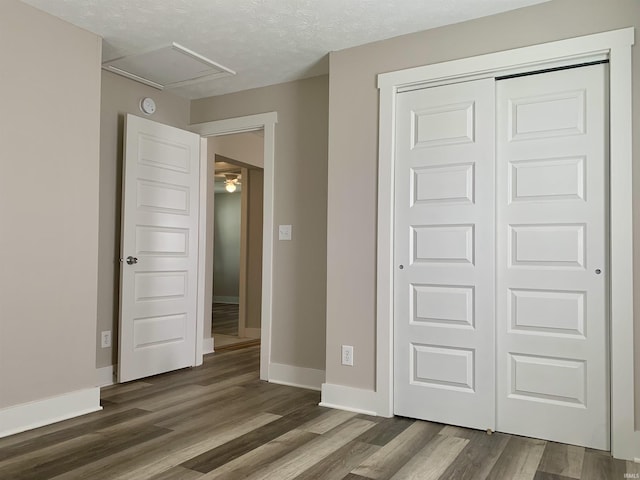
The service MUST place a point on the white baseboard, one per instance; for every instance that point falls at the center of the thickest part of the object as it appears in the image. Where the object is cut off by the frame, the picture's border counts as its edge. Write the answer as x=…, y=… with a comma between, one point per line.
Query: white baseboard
x=296, y=376
x=27, y=416
x=105, y=376
x=349, y=398
x=207, y=346
x=225, y=299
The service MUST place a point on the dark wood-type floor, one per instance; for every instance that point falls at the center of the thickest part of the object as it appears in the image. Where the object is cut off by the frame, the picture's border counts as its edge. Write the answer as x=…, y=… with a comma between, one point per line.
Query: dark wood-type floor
x=224, y=318
x=219, y=421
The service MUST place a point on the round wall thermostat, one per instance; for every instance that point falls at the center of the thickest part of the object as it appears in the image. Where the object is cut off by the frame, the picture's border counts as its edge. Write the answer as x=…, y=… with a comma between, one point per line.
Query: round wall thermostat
x=147, y=105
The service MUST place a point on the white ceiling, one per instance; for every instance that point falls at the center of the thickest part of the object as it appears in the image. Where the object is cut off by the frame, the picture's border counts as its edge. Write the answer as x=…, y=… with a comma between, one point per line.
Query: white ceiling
x=264, y=41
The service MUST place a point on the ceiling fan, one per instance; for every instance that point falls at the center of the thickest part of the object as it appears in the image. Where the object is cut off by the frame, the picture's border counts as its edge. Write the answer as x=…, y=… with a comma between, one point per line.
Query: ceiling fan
x=231, y=180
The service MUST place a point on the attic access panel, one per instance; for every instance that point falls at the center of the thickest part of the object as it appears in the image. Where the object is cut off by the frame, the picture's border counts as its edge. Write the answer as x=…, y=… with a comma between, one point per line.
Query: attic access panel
x=167, y=67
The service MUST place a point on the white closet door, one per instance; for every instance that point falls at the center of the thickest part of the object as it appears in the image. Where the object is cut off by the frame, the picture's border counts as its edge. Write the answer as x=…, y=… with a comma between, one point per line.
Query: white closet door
x=552, y=272
x=444, y=343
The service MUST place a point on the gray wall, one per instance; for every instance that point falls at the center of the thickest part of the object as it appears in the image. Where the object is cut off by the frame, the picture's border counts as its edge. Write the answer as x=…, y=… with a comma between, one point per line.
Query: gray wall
x=299, y=276
x=244, y=147
x=119, y=97
x=353, y=144
x=49, y=164
x=226, y=241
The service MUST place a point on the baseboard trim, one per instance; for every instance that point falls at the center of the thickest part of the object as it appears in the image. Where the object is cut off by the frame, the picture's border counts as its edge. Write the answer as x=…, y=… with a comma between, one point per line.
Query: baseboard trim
x=292, y=376
x=225, y=299
x=105, y=376
x=207, y=346
x=39, y=413
x=349, y=399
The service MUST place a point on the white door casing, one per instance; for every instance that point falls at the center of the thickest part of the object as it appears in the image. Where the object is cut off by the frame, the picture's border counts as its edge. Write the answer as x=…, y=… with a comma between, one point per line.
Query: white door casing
x=160, y=216
x=552, y=270
x=266, y=122
x=444, y=255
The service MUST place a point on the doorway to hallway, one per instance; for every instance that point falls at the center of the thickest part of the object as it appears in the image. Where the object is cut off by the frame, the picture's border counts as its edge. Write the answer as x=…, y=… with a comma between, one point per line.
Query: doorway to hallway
x=237, y=200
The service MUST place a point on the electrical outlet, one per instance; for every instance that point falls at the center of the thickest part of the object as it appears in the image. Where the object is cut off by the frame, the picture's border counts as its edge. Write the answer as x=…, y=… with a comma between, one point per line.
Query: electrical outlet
x=347, y=355
x=106, y=338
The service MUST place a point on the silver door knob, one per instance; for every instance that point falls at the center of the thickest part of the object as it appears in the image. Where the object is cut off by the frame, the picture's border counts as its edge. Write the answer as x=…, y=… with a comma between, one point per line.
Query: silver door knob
x=131, y=260
x=401, y=267
x=598, y=271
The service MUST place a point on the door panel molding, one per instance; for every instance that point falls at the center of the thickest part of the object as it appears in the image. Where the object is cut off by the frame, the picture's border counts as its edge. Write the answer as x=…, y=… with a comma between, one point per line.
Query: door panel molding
x=614, y=45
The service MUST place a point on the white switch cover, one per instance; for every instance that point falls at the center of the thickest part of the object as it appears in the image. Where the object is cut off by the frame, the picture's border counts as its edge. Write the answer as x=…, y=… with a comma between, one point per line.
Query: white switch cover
x=284, y=232
x=105, y=339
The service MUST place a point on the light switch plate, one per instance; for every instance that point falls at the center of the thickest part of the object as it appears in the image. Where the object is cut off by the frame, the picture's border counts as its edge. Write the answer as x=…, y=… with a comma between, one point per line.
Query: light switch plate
x=284, y=232
x=105, y=339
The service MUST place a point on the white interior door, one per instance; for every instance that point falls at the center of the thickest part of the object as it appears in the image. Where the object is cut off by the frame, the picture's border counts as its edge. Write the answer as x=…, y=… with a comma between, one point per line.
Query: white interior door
x=552, y=263
x=158, y=281
x=444, y=327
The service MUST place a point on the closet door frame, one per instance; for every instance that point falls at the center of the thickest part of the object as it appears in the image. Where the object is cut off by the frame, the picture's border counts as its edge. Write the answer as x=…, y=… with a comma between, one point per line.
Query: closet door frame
x=614, y=46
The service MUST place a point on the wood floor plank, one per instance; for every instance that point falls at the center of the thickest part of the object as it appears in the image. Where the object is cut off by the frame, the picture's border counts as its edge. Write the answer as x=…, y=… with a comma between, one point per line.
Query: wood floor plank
x=560, y=459
x=519, y=459
x=45, y=454
x=478, y=457
x=232, y=406
x=293, y=398
x=153, y=451
x=177, y=473
x=261, y=458
x=340, y=462
x=549, y=476
x=181, y=410
x=177, y=455
x=383, y=464
x=94, y=447
x=55, y=427
x=174, y=397
x=386, y=430
x=209, y=373
x=129, y=394
x=54, y=438
x=216, y=457
x=599, y=465
x=244, y=363
x=313, y=452
x=433, y=459
x=454, y=431
x=224, y=318
x=229, y=342
x=233, y=369
x=116, y=390
x=327, y=421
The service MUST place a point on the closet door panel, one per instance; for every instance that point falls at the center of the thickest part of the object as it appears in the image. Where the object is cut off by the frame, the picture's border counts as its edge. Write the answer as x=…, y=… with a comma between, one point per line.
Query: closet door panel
x=444, y=347
x=552, y=330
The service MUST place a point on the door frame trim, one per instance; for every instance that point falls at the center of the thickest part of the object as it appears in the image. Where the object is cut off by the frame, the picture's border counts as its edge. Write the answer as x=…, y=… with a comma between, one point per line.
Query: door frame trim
x=616, y=46
x=266, y=121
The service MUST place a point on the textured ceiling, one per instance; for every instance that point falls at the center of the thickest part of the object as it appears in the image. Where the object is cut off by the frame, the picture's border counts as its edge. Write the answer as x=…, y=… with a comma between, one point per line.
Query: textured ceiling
x=264, y=41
